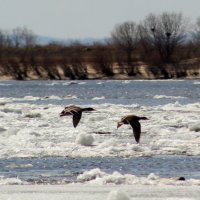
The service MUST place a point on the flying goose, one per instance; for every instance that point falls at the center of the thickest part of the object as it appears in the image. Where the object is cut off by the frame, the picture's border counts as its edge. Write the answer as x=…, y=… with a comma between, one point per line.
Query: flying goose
x=76, y=112
x=133, y=120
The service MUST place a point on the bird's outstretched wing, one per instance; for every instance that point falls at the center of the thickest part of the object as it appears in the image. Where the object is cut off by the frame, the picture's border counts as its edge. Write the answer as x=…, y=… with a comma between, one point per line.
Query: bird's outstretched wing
x=76, y=118
x=136, y=129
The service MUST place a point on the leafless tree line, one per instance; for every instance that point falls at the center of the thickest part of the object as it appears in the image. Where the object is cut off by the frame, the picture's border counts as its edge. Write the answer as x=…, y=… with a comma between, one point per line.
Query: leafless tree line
x=158, y=40
x=18, y=37
x=161, y=34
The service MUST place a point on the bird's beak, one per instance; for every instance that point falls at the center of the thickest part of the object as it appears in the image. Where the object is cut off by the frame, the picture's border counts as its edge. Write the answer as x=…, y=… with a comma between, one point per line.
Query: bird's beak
x=62, y=114
x=119, y=124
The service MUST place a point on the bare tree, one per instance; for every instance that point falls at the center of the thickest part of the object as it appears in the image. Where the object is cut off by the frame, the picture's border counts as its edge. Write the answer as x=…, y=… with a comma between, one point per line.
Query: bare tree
x=194, y=49
x=125, y=36
x=5, y=40
x=103, y=58
x=164, y=33
x=196, y=32
x=29, y=37
x=23, y=37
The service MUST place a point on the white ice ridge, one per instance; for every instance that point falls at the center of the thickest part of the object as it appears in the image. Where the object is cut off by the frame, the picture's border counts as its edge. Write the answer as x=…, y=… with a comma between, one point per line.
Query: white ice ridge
x=98, y=177
x=32, y=130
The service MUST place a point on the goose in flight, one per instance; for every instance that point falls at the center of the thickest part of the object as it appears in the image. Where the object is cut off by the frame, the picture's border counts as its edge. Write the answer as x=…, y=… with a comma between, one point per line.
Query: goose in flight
x=133, y=120
x=76, y=112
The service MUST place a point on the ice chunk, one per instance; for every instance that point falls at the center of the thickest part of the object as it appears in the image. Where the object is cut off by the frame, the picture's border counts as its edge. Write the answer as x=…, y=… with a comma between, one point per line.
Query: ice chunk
x=90, y=175
x=118, y=195
x=84, y=139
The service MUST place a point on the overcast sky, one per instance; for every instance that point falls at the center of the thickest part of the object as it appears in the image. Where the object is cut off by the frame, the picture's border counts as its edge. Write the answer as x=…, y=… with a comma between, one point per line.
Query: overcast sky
x=79, y=19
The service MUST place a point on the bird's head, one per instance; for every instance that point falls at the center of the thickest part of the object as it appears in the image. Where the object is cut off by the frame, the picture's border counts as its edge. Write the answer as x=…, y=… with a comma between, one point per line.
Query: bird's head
x=63, y=113
x=119, y=124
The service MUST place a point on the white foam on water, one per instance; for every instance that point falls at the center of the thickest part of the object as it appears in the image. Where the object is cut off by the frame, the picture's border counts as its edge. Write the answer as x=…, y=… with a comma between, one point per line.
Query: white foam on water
x=70, y=83
x=5, y=84
x=18, y=166
x=126, y=81
x=82, y=83
x=196, y=83
x=167, y=97
x=7, y=100
x=98, y=98
x=52, y=84
x=70, y=97
x=54, y=97
x=31, y=98
x=4, y=101
x=100, y=83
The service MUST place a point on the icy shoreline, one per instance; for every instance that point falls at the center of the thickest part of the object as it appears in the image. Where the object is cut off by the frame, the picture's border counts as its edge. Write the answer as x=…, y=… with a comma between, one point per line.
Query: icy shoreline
x=85, y=192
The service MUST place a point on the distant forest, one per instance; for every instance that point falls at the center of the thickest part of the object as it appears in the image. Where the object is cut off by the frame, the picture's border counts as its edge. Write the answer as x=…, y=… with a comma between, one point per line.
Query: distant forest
x=158, y=41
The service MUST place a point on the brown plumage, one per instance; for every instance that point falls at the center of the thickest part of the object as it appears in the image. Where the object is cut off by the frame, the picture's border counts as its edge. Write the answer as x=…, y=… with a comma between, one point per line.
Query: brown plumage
x=135, y=124
x=76, y=112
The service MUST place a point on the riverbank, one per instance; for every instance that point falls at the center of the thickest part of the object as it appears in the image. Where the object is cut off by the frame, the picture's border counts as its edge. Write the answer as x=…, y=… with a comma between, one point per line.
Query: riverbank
x=189, y=69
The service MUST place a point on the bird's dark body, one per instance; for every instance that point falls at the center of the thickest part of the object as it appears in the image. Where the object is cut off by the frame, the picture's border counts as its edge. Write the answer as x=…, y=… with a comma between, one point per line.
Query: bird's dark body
x=133, y=120
x=76, y=112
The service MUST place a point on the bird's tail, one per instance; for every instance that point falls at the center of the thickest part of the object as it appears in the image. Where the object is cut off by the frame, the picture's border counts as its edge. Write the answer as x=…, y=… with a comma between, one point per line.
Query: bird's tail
x=143, y=118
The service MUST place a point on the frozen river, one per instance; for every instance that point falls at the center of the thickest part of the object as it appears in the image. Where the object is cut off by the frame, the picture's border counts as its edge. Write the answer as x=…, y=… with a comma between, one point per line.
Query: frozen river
x=37, y=147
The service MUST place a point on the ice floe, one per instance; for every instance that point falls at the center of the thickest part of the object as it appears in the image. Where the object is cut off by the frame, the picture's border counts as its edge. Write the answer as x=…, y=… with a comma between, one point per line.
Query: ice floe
x=84, y=139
